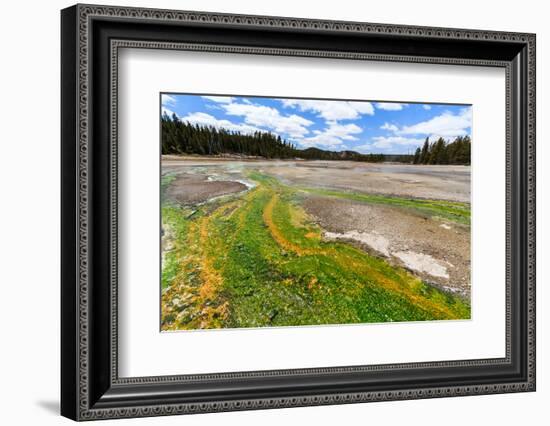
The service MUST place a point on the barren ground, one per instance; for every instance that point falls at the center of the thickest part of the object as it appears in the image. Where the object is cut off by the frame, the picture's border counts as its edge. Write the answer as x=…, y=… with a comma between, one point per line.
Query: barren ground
x=192, y=189
x=450, y=183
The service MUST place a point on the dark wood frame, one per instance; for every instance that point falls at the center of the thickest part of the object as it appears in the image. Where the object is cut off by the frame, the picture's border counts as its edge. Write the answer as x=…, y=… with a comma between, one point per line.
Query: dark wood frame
x=91, y=37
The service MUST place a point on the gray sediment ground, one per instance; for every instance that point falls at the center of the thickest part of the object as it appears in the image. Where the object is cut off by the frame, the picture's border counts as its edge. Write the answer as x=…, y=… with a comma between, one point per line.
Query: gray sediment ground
x=193, y=189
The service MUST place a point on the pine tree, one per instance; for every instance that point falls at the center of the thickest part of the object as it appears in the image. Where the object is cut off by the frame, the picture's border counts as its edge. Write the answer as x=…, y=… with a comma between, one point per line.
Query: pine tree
x=424, y=154
x=444, y=152
x=417, y=154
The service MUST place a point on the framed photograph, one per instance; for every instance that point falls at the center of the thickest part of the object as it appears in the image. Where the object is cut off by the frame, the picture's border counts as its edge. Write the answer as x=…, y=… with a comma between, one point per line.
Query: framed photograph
x=263, y=212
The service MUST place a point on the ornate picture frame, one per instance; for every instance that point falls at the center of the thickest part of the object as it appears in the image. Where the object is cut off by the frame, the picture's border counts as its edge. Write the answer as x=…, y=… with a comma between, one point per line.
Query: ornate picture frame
x=91, y=37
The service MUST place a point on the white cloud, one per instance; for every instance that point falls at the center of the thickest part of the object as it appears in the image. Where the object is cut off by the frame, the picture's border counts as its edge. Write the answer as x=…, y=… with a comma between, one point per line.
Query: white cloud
x=168, y=100
x=389, y=145
x=331, y=110
x=447, y=125
x=204, y=119
x=427, y=107
x=256, y=118
x=362, y=107
x=389, y=106
x=390, y=127
x=219, y=99
x=259, y=115
x=393, y=141
x=332, y=136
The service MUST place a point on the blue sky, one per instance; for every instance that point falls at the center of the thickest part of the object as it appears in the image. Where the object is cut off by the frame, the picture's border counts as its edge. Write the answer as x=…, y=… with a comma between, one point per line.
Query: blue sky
x=366, y=127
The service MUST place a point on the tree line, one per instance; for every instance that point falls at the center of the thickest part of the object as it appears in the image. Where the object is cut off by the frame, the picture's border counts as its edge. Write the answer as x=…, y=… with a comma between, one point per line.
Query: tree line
x=180, y=137
x=441, y=152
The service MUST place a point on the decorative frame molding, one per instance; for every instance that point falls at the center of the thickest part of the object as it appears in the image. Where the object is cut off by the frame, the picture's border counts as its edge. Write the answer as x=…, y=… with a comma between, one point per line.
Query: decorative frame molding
x=91, y=37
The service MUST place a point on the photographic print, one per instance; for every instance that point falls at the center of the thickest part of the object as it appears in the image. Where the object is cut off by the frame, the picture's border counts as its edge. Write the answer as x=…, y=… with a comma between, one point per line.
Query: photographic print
x=302, y=212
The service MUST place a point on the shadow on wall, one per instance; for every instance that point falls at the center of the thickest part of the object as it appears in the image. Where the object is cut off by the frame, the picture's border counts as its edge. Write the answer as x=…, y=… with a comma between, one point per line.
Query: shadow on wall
x=50, y=406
